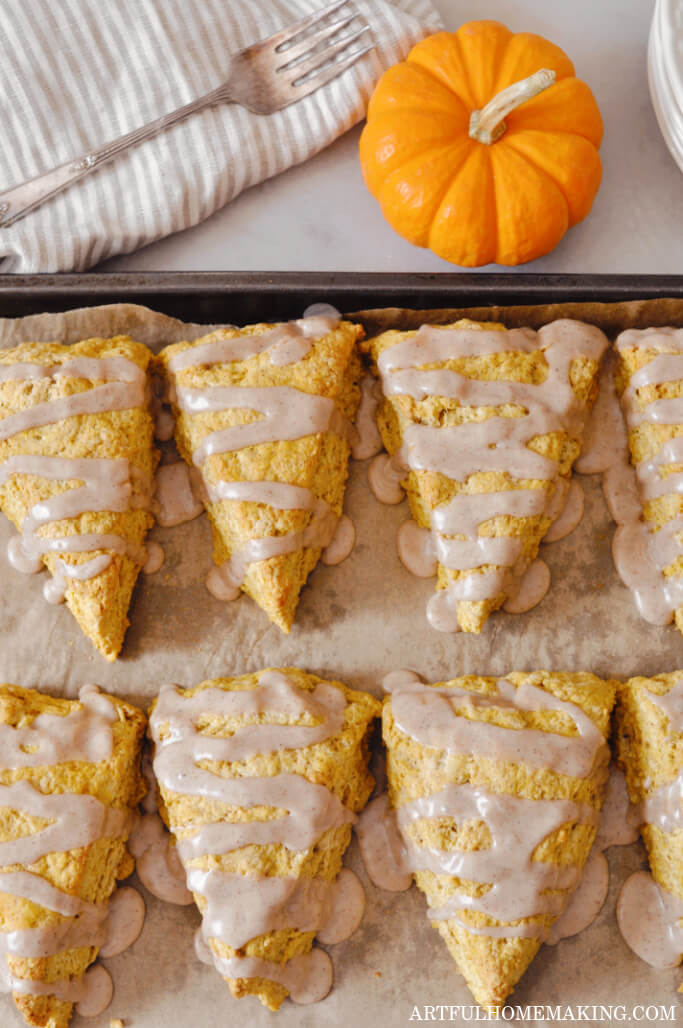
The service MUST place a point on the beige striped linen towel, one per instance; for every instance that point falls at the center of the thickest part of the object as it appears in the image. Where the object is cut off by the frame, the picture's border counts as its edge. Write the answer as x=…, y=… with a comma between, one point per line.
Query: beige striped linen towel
x=77, y=73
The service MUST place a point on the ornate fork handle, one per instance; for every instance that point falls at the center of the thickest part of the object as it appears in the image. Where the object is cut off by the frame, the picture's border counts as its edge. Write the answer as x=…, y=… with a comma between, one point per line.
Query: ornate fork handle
x=19, y=200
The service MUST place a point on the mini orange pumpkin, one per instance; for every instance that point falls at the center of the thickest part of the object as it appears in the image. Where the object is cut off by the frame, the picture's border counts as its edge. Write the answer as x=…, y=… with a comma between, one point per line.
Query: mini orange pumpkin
x=469, y=173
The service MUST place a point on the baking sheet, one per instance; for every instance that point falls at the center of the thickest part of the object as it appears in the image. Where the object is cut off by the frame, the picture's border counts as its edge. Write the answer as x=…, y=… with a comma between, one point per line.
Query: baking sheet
x=355, y=622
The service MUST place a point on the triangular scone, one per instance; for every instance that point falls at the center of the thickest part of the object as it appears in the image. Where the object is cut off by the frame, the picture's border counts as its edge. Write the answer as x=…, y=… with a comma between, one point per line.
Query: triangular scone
x=263, y=823
x=77, y=462
x=648, y=552
x=273, y=490
x=486, y=424
x=649, y=738
x=497, y=787
x=69, y=785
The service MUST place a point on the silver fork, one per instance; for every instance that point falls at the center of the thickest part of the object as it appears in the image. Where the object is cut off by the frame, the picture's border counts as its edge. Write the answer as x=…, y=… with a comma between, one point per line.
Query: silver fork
x=264, y=77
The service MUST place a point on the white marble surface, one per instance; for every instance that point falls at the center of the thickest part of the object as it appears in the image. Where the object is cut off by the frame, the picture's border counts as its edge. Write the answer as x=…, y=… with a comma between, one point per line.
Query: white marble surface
x=319, y=216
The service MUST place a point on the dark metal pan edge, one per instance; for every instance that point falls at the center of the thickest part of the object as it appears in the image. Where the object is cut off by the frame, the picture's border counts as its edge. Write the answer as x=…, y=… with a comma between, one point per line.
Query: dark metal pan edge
x=247, y=296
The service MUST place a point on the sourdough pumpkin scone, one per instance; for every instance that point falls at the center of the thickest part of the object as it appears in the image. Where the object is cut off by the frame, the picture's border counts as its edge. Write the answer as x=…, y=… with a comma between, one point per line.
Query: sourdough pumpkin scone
x=649, y=738
x=77, y=461
x=69, y=785
x=497, y=787
x=265, y=414
x=648, y=552
x=261, y=778
x=484, y=424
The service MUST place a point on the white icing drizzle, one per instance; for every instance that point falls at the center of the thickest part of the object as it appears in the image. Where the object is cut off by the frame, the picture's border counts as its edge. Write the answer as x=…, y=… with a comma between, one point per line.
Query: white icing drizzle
x=641, y=554
x=308, y=977
x=91, y=993
x=84, y=733
x=287, y=414
x=285, y=343
x=570, y=515
x=605, y=426
x=221, y=584
x=175, y=495
x=498, y=444
x=618, y=827
x=438, y=717
x=155, y=558
x=649, y=920
x=156, y=857
x=533, y=586
x=369, y=441
x=663, y=806
x=384, y=478
x=242, y=907
x=416, y=549
x=342, y=542
x=521, y=887
x=126, y=387
x=671, y=705
x=649, y=916
x=319, y=533
x=112, y=485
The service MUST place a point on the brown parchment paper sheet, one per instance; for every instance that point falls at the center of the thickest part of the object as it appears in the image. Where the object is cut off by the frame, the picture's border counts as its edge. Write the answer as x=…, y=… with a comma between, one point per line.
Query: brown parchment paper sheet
x=355, y=622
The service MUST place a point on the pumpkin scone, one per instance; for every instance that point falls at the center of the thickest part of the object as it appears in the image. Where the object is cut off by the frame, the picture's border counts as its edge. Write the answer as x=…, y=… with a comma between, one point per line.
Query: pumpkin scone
x=69, y=786
x=649, y=740
x=647, y=549
x=495, y=789
x=261, y=778
x=77, y=462
x=482, y=425
x=265, y=413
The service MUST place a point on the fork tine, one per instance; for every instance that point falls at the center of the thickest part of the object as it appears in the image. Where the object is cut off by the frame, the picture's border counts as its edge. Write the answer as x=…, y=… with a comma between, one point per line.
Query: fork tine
x=280, y=38
x=312, y=39
x=320, y=59
x=330, y=72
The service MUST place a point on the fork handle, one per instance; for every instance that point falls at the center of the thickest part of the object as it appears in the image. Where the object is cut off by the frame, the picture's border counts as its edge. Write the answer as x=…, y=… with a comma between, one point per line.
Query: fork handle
x=19, y=200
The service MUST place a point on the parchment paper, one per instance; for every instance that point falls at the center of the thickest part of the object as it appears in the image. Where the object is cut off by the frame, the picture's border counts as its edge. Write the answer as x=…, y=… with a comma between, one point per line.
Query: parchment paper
x=355, y=622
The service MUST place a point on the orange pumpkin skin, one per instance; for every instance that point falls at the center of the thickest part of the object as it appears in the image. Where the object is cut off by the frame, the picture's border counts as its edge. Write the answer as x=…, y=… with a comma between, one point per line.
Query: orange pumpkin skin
x=474, y=203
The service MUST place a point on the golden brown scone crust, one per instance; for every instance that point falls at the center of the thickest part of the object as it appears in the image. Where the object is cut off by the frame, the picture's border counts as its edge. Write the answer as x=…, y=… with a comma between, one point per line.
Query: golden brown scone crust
x=340, y=763
x=493, y=966
x=651, y=754
x=317, y=462
x=99, y=604
x=89, y=872
x=647, y=439
x=427, y=490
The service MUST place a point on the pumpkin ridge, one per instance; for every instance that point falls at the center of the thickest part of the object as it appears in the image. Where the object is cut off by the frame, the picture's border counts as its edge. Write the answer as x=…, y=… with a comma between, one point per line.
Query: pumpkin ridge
x=435, y=78
x=553, y=57
x=491, y=190
x=512, y=131
x=470, y=103
x=579, y=199
x=543, y=171
x=404, y=171
x=496, y=33
x=497, y=156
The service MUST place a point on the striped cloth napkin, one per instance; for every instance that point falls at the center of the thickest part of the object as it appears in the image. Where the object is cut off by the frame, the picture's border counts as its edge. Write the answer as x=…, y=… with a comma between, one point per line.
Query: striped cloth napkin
x=77, y=73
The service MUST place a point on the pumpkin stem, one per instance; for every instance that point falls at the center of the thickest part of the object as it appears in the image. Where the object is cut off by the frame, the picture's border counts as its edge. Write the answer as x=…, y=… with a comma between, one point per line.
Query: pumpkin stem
x=488, y=124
